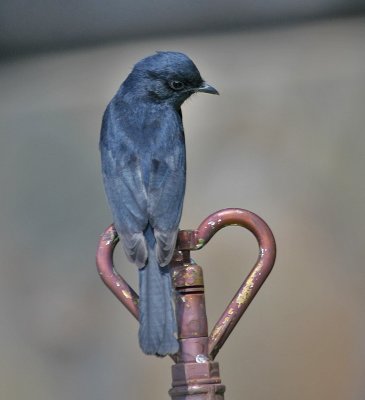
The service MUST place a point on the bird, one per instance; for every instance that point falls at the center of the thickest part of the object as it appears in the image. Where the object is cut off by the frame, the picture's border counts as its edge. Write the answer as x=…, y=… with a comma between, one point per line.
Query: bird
x=143, y=162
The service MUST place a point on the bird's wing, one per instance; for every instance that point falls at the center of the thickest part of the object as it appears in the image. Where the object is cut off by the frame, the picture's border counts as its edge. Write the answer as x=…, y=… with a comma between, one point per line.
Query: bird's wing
x=165, y=201
x=127, y=197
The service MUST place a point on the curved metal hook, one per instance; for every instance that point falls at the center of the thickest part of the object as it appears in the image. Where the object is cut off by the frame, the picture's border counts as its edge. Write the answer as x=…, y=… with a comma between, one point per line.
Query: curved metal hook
x=195, y=240
x=107, y=272
x=257, y=276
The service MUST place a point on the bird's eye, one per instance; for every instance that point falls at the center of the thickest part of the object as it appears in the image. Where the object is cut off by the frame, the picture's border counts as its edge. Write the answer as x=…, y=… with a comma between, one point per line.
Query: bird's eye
x=176, y=85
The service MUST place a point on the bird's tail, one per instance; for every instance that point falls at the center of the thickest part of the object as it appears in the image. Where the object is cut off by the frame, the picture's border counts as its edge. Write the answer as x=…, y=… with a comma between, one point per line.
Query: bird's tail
x=157, y=331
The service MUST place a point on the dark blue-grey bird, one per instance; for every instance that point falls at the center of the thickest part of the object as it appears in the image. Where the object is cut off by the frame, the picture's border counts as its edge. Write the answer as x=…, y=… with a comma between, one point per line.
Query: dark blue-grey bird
x=143, y=165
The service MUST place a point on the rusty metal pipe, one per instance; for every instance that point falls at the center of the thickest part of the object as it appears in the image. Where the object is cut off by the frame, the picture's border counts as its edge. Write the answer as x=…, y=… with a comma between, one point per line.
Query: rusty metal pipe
x=195, y=374
x=117, y=285
x=252, y=284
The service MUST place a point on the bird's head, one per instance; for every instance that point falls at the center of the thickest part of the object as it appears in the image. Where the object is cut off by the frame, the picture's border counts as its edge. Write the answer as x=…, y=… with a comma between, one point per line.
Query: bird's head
x=167, y=77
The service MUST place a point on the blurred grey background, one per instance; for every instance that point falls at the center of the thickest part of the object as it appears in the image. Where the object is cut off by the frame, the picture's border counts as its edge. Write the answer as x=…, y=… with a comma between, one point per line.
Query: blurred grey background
x=285, y=139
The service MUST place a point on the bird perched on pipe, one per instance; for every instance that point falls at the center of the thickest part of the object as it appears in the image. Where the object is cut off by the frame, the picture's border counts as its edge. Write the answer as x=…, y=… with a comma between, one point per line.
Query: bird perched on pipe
x=143, y=157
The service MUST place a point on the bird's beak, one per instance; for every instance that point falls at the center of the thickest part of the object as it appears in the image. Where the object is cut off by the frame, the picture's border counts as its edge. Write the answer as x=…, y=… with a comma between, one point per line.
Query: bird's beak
x=205, y=88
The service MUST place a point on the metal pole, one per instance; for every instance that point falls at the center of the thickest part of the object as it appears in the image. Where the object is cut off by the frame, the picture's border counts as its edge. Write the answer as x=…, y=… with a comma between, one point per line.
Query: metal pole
x=195, y=375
